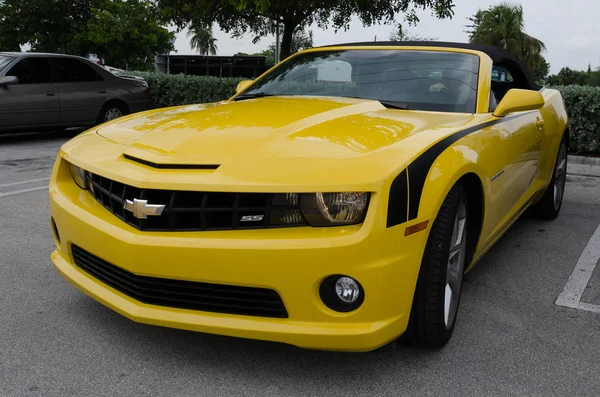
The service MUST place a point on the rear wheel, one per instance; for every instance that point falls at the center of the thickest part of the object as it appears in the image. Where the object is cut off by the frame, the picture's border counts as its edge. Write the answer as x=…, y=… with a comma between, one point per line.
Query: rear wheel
x=549, y=206
x=437, y=295
x=111, y=111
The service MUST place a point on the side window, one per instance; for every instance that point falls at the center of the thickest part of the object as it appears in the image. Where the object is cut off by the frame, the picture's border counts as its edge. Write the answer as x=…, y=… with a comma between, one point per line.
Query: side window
x=502, y=82
x=75, y=71
x=34, y=70
x=500, y=73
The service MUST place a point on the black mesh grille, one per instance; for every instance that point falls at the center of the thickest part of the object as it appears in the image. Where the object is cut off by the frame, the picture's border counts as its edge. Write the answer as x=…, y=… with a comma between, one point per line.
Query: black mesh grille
x=191, y=295
x=198, y=211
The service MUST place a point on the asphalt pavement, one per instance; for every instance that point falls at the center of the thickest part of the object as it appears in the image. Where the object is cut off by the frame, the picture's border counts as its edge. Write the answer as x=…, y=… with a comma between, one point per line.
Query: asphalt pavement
x=511, y=337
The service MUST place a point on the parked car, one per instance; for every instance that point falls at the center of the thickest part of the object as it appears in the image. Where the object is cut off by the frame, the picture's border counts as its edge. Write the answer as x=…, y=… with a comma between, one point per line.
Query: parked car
x=53, y=91
x=334, y=203
x=121, y=73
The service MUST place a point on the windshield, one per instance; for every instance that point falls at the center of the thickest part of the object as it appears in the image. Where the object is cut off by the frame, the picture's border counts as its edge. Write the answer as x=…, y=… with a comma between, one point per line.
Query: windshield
x=5, y=60
x=423, y=80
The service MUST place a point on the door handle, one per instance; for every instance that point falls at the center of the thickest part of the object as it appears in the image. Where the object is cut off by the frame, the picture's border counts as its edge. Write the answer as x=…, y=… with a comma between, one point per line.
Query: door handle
x=540, y=124
x=50, y=93
x=103, y=91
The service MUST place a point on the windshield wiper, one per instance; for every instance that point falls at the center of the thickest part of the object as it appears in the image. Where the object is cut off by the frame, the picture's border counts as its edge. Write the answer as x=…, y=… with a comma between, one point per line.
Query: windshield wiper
x=387, y=104
x=251, y=96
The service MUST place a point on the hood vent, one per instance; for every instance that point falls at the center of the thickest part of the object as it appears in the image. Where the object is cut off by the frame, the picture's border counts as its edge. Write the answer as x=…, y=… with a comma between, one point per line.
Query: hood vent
x=173, y=166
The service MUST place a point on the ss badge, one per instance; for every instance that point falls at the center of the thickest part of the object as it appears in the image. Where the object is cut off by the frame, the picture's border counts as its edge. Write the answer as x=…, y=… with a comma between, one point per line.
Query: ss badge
x=252, y=218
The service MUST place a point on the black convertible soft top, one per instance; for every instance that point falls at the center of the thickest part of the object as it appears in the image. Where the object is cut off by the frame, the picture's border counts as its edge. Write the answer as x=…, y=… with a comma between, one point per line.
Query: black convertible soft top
x=500, y=57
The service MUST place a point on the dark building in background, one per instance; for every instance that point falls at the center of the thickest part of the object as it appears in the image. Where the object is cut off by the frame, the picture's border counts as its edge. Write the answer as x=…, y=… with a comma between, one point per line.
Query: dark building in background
x=218, y=66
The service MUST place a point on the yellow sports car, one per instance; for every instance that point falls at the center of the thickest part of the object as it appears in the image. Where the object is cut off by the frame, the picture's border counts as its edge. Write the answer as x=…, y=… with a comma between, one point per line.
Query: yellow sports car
x=333, y=203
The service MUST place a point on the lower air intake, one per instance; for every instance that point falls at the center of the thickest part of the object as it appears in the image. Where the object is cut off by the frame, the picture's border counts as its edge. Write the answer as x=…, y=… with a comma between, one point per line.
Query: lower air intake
x=216, y=298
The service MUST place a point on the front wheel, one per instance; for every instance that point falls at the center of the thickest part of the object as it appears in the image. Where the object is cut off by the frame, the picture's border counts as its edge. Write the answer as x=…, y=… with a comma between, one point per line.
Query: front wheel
x=437, y=295
x=549, y=206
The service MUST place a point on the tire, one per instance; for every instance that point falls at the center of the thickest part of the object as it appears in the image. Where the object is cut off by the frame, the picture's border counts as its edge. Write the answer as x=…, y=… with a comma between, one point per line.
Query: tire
x=111, y=111
x=549, y=206
x=437, y=294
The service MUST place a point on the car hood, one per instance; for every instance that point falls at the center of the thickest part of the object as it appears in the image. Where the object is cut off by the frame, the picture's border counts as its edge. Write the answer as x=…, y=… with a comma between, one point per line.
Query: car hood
x=272, y=127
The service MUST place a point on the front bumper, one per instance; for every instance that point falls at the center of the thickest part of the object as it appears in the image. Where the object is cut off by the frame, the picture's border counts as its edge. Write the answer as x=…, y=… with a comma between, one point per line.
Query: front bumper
x=291, y=261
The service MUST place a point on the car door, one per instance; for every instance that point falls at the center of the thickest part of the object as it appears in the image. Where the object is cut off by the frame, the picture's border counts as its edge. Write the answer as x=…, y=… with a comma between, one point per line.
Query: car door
x=82, y=91
x=32, y=102
x=519, y=139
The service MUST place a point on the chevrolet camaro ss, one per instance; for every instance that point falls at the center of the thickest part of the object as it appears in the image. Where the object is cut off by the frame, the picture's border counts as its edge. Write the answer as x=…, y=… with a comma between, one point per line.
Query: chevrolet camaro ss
x=333, y=203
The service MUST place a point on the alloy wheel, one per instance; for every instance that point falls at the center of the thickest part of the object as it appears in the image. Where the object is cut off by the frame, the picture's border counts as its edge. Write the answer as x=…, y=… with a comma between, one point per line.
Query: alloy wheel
x=112, y=113
x=456, y=265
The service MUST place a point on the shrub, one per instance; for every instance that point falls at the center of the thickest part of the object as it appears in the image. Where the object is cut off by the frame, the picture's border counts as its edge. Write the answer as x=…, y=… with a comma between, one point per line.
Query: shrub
x=179, y=89
x=583, y=108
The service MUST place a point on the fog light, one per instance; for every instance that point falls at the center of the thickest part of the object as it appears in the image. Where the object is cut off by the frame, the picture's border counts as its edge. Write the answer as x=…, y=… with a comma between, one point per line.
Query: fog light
x=347, y=289
x=341, y=293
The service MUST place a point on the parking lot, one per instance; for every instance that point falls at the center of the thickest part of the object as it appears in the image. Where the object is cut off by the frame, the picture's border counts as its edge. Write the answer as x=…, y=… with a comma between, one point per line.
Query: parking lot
x=511, y=338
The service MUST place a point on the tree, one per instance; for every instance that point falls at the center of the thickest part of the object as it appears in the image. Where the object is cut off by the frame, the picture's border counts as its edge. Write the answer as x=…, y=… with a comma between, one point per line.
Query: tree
x=399, y=34
x=567, y=76
x=122, y=32
x=503, y=26
x=302, y=40
x=261, y=16
x=125, y=34
x=540, y=71
x=202, y=39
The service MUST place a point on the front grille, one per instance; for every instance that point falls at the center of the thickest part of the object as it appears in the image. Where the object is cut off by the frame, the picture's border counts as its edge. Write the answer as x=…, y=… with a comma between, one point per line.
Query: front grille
x=180, y=294
x=198, y=211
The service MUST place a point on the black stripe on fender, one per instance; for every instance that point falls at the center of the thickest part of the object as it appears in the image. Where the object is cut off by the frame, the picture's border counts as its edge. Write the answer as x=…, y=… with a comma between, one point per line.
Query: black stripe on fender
x=398, y=200
x=419, y=168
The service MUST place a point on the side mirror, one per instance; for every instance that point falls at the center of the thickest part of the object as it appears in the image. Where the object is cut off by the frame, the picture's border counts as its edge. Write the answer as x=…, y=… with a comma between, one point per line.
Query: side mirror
x=517, y=100
x=242, y=85
x=7, y=80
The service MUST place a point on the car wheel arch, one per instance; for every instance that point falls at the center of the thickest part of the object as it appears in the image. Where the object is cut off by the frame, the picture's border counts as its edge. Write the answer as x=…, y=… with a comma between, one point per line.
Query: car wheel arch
x=476, y=202
x=115, y=101
x=471, y=179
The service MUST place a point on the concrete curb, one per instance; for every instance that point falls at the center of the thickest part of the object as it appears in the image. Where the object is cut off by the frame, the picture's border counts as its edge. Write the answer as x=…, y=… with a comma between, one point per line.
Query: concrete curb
x=584, y=166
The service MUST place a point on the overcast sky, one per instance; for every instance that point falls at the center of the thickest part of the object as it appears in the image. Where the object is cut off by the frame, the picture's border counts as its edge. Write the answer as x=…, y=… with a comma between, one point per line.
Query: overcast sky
x=570, y=29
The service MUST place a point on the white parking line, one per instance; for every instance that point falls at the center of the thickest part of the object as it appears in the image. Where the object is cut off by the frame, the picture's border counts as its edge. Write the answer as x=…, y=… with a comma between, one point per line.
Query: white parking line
x=24, y=182
x=575, y=286
x=32, y=189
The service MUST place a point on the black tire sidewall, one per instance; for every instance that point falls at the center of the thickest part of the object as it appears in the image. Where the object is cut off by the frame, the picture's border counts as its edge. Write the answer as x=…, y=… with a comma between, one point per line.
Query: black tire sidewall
x=427, y=327
x=563, y=144
x=545, y=208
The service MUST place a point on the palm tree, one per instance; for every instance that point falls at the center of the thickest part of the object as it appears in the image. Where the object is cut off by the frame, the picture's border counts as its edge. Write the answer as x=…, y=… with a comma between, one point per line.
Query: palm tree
x=503, y=26
x=202, y=39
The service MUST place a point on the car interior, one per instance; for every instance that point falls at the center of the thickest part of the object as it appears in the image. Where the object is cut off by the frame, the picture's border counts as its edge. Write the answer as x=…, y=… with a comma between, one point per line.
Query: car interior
x=505, y=77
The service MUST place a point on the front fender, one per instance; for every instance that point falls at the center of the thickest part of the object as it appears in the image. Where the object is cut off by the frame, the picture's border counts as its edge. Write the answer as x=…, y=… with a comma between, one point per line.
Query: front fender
x=453, y=164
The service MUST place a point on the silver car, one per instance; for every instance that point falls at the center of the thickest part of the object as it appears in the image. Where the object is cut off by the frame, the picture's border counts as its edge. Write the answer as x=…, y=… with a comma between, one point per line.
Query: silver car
x=53, y=91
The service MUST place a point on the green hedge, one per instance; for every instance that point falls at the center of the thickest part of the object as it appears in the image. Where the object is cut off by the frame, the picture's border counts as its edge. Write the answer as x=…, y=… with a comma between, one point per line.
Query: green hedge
x=583, y=102
x=179, y=89
x=583, y=108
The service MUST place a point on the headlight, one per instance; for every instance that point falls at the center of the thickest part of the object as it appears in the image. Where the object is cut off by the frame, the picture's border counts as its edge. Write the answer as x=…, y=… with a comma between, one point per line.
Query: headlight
x=318, y=209
x=332, y=209
x=78, y=174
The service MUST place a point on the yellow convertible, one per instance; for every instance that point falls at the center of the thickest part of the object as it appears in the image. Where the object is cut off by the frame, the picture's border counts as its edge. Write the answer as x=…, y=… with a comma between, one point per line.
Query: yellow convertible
x=333, y=203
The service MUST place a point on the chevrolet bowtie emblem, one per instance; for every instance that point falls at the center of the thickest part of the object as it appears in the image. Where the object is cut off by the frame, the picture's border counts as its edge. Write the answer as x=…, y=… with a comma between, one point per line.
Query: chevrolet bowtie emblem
x=141, y=209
